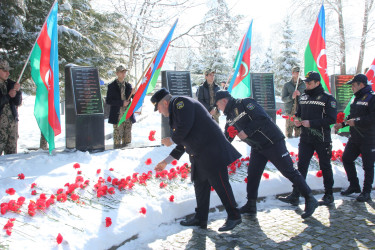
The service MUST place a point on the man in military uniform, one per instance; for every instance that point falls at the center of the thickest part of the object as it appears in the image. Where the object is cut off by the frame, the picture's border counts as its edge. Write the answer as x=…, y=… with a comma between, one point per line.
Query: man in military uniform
x=290, y=96
x=118, y=95
x=362, y=137
x=316, y=111
x=10, y=99
x=196, y=133
x=267, y=143
x=206, y=94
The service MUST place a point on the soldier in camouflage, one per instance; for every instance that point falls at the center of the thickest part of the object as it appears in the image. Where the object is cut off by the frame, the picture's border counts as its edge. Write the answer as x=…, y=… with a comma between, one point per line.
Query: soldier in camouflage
x=118, y=95
x=10, y=99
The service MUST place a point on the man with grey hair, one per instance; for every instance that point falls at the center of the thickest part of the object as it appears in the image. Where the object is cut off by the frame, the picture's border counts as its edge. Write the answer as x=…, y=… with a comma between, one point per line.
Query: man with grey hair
x=10, y=100
x=290, y=96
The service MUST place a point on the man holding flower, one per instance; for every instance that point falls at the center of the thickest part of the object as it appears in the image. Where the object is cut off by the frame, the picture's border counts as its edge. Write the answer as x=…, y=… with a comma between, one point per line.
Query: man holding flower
x=362, y=137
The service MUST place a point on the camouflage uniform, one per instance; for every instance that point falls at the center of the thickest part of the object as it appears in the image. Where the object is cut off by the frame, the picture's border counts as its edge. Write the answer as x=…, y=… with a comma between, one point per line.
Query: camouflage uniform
x=290, y=106
x=8, y=120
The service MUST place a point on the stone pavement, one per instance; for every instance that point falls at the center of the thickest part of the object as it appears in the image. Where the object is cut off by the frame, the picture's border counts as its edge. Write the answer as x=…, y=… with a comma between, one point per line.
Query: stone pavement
x=346, y=224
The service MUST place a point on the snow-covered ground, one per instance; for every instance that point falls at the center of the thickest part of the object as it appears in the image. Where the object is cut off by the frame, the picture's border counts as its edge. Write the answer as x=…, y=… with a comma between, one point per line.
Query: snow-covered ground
x=82, y=220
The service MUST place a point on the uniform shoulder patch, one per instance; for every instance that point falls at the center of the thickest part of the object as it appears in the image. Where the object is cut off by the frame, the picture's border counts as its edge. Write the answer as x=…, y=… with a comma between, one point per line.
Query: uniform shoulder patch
x=333, y=104
x=250, y=106
x=180, y=105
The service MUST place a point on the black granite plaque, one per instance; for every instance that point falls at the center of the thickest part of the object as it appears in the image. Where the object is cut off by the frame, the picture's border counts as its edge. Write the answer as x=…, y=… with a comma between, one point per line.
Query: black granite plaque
x=86, y=90
x=262, y=90
x=178, y=83
x=341, y=91
x=84, y=119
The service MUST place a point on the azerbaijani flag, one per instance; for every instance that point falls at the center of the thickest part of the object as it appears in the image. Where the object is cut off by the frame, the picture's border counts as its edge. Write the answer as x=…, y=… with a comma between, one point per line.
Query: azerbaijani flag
x=45, y=74
x=370, y=80
x=371, y=75
x=315, y=53
x=239, y=86
x=150, y=78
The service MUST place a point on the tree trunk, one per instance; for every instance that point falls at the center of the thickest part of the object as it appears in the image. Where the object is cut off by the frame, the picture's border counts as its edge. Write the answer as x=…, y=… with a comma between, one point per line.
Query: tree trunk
x=342, y=38
x=368, y=6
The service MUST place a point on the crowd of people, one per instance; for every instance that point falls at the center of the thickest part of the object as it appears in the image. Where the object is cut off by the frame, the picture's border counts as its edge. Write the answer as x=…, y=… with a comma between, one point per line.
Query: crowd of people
x=195, y=130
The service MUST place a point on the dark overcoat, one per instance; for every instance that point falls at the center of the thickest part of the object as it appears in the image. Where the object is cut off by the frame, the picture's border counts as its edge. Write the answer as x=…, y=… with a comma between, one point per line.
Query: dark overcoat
x=196, y=133
x=115, y=101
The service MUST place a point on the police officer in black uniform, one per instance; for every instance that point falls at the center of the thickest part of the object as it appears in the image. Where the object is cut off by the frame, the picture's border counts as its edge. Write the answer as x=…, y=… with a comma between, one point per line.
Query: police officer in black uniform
x=194, y=131
x=267, y=143
x=316, y=111
x=362, y=137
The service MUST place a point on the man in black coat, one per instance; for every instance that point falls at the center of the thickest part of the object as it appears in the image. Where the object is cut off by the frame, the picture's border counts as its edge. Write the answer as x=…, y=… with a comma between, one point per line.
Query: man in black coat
x=267, y=143
x=196, y=133
x=118, y=98
x=362, y=137
x=206, y=93
x=10, y=100
x=316, y=111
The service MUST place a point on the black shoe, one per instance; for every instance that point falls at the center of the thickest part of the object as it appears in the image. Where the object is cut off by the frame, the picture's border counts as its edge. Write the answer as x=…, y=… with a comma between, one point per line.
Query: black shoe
x=326, y=200
x=310, y=205
x=350, y=190
x=293, y=198
x=250, y=208
x=364, y=197
x=194, y=222
x=230, y=224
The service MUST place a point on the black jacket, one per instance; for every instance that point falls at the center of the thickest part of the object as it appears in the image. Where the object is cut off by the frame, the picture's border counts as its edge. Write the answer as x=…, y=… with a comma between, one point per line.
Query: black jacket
x=203, y=95
x=194, y=131
x=247, y=115
x=319, y=107
x=114, y=100
x=362, y=109
x=13, y=102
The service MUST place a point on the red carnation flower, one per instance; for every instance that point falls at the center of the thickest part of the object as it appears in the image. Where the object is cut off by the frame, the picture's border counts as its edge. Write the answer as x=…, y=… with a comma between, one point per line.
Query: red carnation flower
x=285, y=116
x=163, y=185
x=171, y=198
x=33, y=185
x=31, y=212
x=319, y=174
x=74, y=197
x=266, y=176
x=9, y=232
x=76, y=165
x=59, y=239
x=108, y=221
x=151, y=136
x=212, y=189
x=142, y=210
x=148, y=161
x=111, y=190
x=174, y=162
x=10, y=191
x=340, y=117
x=98, y=171
x=278, y=112
x=109, y=179
x=111, y=169
x=245, y=180
x=79, y=172
x=21, y=176
x=232, y=131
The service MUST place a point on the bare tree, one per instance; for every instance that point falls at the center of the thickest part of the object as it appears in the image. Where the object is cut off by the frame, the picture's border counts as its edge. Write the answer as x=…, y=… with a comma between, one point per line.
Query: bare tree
x=369, y=4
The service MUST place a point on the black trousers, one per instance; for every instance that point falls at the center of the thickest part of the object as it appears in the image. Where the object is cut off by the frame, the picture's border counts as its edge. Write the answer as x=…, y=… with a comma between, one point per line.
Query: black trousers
x=351, y=152
x=324, y=151
x=280, y=158
x=220, y=182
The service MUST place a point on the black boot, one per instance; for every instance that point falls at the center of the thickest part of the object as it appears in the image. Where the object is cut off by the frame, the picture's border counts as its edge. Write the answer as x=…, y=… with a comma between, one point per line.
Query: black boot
x=310, y=205
x=194, y=222
x=351, y=189
x=326, y=200
x=363, y=197
x=293, y=198
x=249, y=208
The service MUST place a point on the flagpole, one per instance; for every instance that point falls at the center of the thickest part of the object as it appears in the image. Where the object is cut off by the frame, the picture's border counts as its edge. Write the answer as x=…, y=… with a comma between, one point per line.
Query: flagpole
x=40, y=32
x=156, y=53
